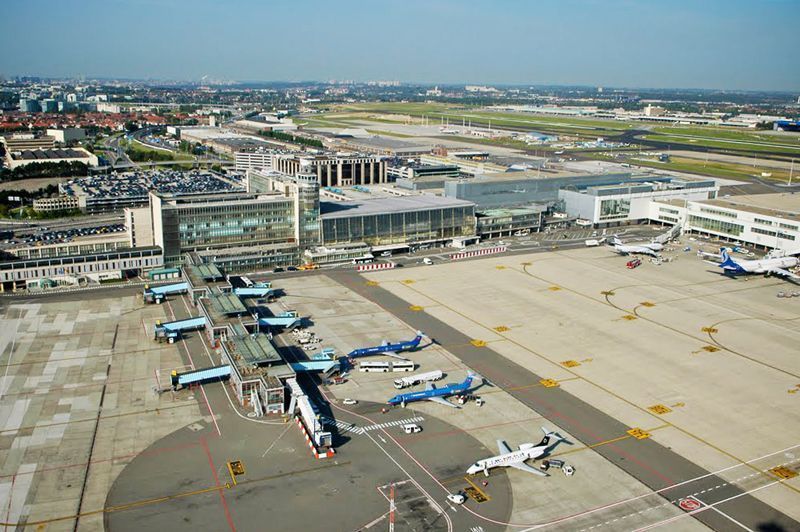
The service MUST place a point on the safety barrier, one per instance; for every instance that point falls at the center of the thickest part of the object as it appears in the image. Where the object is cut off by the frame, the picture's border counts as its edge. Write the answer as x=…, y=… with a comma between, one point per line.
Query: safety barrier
x=478, y=252
x=327, y=454
x=375, y=266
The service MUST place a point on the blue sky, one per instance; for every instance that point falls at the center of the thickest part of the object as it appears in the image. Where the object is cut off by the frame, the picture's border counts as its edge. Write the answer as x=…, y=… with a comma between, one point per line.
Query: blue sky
x=726, y=44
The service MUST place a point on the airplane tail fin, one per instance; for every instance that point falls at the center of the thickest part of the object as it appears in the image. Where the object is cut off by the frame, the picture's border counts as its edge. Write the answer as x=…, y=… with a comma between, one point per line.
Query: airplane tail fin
x=551, y=437
x=727, y=261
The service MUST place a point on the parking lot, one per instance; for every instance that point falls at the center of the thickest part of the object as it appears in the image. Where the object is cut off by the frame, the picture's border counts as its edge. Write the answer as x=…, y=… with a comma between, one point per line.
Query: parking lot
x=139, y=183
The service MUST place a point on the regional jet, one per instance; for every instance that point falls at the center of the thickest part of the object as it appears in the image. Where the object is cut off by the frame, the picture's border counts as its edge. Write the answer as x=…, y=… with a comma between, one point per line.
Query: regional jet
x=649, y=248
x=776, y=266
x=516, y=459
x=437, y=395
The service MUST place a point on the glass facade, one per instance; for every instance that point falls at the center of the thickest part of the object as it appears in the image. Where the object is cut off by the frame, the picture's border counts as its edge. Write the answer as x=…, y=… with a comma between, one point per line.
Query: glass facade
x=612, y=209
x=718, y=226
x=400, y=227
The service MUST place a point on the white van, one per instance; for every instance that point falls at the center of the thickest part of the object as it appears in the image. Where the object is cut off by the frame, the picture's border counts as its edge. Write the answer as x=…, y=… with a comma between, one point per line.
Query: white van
x=411, y=428
x=427, y=261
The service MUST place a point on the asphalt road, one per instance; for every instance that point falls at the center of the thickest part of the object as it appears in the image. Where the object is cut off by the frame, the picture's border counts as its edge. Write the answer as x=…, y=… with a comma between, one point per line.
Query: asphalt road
x=654, y=465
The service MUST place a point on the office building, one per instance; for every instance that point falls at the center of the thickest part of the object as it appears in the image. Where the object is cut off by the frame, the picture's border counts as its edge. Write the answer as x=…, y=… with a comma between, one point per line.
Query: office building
x=59, y=203
x=333, y=170
x=49, y=105
x=27, y=141
x=493, y=223
x=258, y=160
x=69, y=134
x=418, y=176
x=77, y=269
x=29, y=106
x=237, y=231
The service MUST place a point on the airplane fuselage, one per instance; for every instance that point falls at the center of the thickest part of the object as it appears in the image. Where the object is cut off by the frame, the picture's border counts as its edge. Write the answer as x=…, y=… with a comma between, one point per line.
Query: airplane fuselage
x=445, y=391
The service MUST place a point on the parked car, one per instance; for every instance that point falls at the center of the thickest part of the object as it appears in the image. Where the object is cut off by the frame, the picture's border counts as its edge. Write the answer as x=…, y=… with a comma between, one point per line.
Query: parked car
x=349, y=401
x=456, y=498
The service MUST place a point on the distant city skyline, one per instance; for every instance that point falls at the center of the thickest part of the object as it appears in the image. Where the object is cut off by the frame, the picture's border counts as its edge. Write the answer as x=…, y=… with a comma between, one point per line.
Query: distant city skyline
x=723, y=45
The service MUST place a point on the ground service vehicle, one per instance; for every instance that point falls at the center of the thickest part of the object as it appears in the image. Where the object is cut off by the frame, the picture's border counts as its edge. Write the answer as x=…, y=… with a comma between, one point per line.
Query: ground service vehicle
x=411, y=380
x=635, y=263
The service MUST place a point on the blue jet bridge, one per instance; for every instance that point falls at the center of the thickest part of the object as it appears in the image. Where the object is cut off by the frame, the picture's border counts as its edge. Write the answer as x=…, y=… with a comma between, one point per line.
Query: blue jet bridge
x=171, y=331
x=200, y=376
x=289, y=319
x=325, y=367
x=262, y=289
x=387, y=349
x=157, y=294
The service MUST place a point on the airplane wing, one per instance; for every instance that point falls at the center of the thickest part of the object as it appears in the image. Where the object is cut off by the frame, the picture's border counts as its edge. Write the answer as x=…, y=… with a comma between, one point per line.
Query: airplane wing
x=442, y=401
x=528, y=469
x=783, y=273
x=393, y=355
x=503, y=447
x=429, y=386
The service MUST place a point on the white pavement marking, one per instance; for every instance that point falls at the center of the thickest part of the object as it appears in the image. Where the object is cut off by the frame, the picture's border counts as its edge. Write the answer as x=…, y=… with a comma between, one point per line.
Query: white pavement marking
x=388, y=424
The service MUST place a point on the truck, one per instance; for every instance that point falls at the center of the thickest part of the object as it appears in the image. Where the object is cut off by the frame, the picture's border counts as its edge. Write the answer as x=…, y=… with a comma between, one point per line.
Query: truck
x=411, y=380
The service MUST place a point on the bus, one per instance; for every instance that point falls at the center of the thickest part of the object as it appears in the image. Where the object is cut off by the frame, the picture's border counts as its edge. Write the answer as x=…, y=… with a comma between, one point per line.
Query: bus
x=370, y=367
x=403, y=365
x=366, y=259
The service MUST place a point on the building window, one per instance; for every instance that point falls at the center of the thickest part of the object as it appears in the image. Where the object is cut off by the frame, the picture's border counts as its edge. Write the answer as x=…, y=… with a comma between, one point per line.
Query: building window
x=718, y=212
x=718, y=226
x=788, y=226
x=762, y=221
x=763, y=231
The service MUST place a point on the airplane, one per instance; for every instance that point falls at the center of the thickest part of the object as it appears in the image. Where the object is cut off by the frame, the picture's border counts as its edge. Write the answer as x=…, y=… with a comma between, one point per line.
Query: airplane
x=516, y=459
x=437, y=395
x=448, y=131
x=649, y=248
x=774, y=266
x=388, y=349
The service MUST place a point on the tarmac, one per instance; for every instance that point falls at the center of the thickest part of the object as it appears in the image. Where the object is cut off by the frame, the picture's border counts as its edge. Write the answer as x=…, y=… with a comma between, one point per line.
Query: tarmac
x=584, y=321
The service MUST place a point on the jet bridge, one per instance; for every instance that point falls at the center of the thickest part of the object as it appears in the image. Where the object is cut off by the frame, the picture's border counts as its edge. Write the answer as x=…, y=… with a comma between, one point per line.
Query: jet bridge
x=172, y=330
x=263, y=289
x=157, y=294
x=289, y=320
x=200, y=376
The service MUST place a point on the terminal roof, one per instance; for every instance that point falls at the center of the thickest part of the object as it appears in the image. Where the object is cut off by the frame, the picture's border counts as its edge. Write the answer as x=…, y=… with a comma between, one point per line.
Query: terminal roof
x=389, y=205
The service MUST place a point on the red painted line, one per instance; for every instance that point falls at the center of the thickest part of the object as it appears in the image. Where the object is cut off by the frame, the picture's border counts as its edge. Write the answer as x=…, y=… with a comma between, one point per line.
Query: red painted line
x=216, y=479
x=205, y=397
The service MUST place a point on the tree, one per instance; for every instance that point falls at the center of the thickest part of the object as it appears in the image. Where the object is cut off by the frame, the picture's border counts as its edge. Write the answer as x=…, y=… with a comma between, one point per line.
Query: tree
x=131, y=126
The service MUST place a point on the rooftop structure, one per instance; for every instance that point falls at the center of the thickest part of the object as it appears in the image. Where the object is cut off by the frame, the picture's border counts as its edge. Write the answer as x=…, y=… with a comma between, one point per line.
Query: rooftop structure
x=16, y=159
x=108, y=192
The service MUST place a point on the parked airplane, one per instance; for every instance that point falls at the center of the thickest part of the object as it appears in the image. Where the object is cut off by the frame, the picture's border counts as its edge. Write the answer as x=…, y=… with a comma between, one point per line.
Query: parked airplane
x=516, y=459
x=388, y=349
x=437, y=395
x=448, y=131
x=776, y=266
x=649, y=248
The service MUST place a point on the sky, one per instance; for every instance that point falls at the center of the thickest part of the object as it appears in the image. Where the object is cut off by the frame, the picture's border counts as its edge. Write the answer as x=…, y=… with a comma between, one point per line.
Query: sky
x=715, y=44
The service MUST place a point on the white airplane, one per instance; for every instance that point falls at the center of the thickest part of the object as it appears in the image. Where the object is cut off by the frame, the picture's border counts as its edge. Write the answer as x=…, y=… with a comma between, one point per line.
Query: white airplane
x=776, y=266
x=448, y=131
x=516, y=459
x=649, y=248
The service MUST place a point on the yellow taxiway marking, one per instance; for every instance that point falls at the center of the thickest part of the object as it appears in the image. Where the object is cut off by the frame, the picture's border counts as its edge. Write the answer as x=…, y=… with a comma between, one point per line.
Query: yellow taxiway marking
x=478, y=343
x=659, y=409
x=638, y=433
x=549, y=383
x=570, y=363
x=478, y=493
x=415, y=308
x=501, y=328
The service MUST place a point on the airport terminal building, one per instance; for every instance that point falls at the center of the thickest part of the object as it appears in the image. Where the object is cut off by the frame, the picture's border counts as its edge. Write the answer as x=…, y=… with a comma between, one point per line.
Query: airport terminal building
x=395, y=222
x=763, y=221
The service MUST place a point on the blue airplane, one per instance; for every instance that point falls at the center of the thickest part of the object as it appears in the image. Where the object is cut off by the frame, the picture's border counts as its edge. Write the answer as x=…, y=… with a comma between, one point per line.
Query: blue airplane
x=386, y=348
x=437, y=395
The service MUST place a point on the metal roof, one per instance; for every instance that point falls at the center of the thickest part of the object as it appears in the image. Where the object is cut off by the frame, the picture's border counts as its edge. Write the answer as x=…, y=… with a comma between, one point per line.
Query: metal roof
x=390, y=205
x=254, y=350
x=227, y=304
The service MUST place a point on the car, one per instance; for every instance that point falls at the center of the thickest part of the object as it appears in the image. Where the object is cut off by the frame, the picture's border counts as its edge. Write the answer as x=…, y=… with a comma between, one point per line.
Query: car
x=277, y=270
x=428, y=261
x=456, y=498
x=291, y=269
x=411, y=428
x=349, y=401
x=386, y=254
